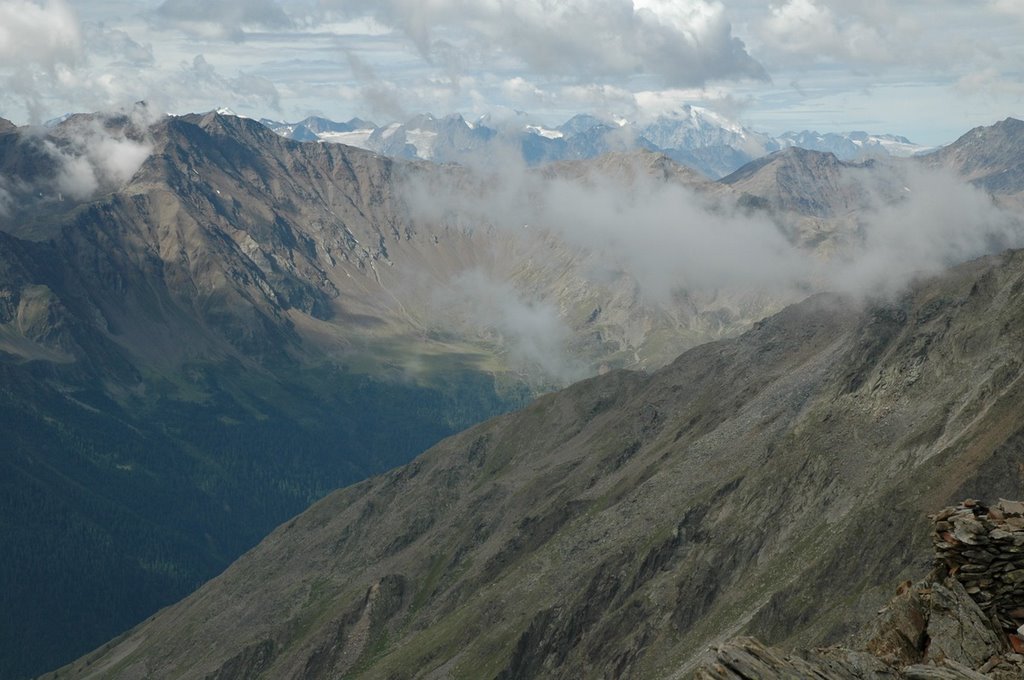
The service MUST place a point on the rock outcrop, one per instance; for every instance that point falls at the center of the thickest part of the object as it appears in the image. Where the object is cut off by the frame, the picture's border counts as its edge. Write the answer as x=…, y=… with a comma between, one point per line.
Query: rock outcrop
x=962, y=622
x=983, y=548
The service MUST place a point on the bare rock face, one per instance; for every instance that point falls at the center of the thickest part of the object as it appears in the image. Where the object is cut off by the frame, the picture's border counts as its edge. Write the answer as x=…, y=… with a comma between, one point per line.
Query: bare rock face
x=813, y=196
x=991, y=157
x=747, y=659
x=983, y=548
x=933, y=630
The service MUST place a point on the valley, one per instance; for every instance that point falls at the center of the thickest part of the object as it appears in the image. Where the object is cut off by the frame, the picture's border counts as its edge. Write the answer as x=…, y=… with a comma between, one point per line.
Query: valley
x=195, y=351
x=618, y=527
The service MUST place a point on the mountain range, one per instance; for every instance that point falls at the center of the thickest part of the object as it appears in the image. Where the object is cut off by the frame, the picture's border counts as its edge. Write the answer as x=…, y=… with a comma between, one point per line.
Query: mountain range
x=194, y=352
x=693, y=136
x=777, y=484
x=205, y=326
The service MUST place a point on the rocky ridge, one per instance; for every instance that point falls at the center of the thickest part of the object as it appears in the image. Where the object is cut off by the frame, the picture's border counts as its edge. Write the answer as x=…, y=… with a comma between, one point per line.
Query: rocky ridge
x=814, y=197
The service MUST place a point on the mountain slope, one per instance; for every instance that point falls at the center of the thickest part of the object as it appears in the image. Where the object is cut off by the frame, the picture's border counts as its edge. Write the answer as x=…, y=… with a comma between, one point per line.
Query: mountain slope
x=275, y=319
x=991, y=157
x=162, y=409
x=618, y=527
x=246, y=322
x=961, y=622
x=814, y=197
x=800, y=181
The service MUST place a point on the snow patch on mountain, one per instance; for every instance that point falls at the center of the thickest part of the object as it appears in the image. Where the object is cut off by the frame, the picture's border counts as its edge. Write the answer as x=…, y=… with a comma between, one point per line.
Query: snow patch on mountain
x=853, y=145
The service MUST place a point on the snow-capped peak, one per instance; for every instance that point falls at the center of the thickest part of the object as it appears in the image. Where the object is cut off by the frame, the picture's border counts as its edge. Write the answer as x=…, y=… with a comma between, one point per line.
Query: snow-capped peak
x=225, y=111
x=544, y=132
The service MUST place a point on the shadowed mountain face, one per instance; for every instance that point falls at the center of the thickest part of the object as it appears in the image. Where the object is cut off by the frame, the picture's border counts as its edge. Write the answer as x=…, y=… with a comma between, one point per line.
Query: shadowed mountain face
x=204, y=327
x=178, y=374
x=775, y=484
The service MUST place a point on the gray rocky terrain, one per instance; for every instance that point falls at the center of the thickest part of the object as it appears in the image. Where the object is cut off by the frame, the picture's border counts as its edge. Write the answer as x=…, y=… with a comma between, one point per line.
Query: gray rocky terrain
x=777, y=484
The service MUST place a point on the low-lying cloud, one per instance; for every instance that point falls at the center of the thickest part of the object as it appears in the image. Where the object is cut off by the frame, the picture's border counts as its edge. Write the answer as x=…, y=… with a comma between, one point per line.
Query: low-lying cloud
x=677, y=241
x=531, y=332
x=80, y=159
x=939, y=221
x=96, y=158
x=662, y=233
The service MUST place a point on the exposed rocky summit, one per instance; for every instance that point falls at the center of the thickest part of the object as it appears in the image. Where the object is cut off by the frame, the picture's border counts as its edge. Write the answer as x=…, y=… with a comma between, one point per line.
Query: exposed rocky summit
x=814, y=196
x=991, y=157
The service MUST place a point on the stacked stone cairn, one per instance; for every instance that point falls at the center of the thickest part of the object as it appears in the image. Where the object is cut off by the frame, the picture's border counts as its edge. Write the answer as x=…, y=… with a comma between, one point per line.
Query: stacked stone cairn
x=983, y=548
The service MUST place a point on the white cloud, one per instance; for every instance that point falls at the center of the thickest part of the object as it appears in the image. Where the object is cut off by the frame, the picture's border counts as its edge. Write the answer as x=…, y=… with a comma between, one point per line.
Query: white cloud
x=222, y=18
x=199, y=83
x=553, y=59
x=989, y=82
x=93, y=157
x=686, y=42
x=44, y=35
x=39, y=45
x=1013, y=8
x=599, y=98
x=117, y=45
x=669, y=238
x=940, y=222
x=75, y=161
x=531, y=331
x=662, y=234
x=810, y=28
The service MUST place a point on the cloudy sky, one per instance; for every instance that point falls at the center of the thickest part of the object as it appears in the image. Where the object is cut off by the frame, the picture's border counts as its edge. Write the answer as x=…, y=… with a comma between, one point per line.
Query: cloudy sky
x=928, y=69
